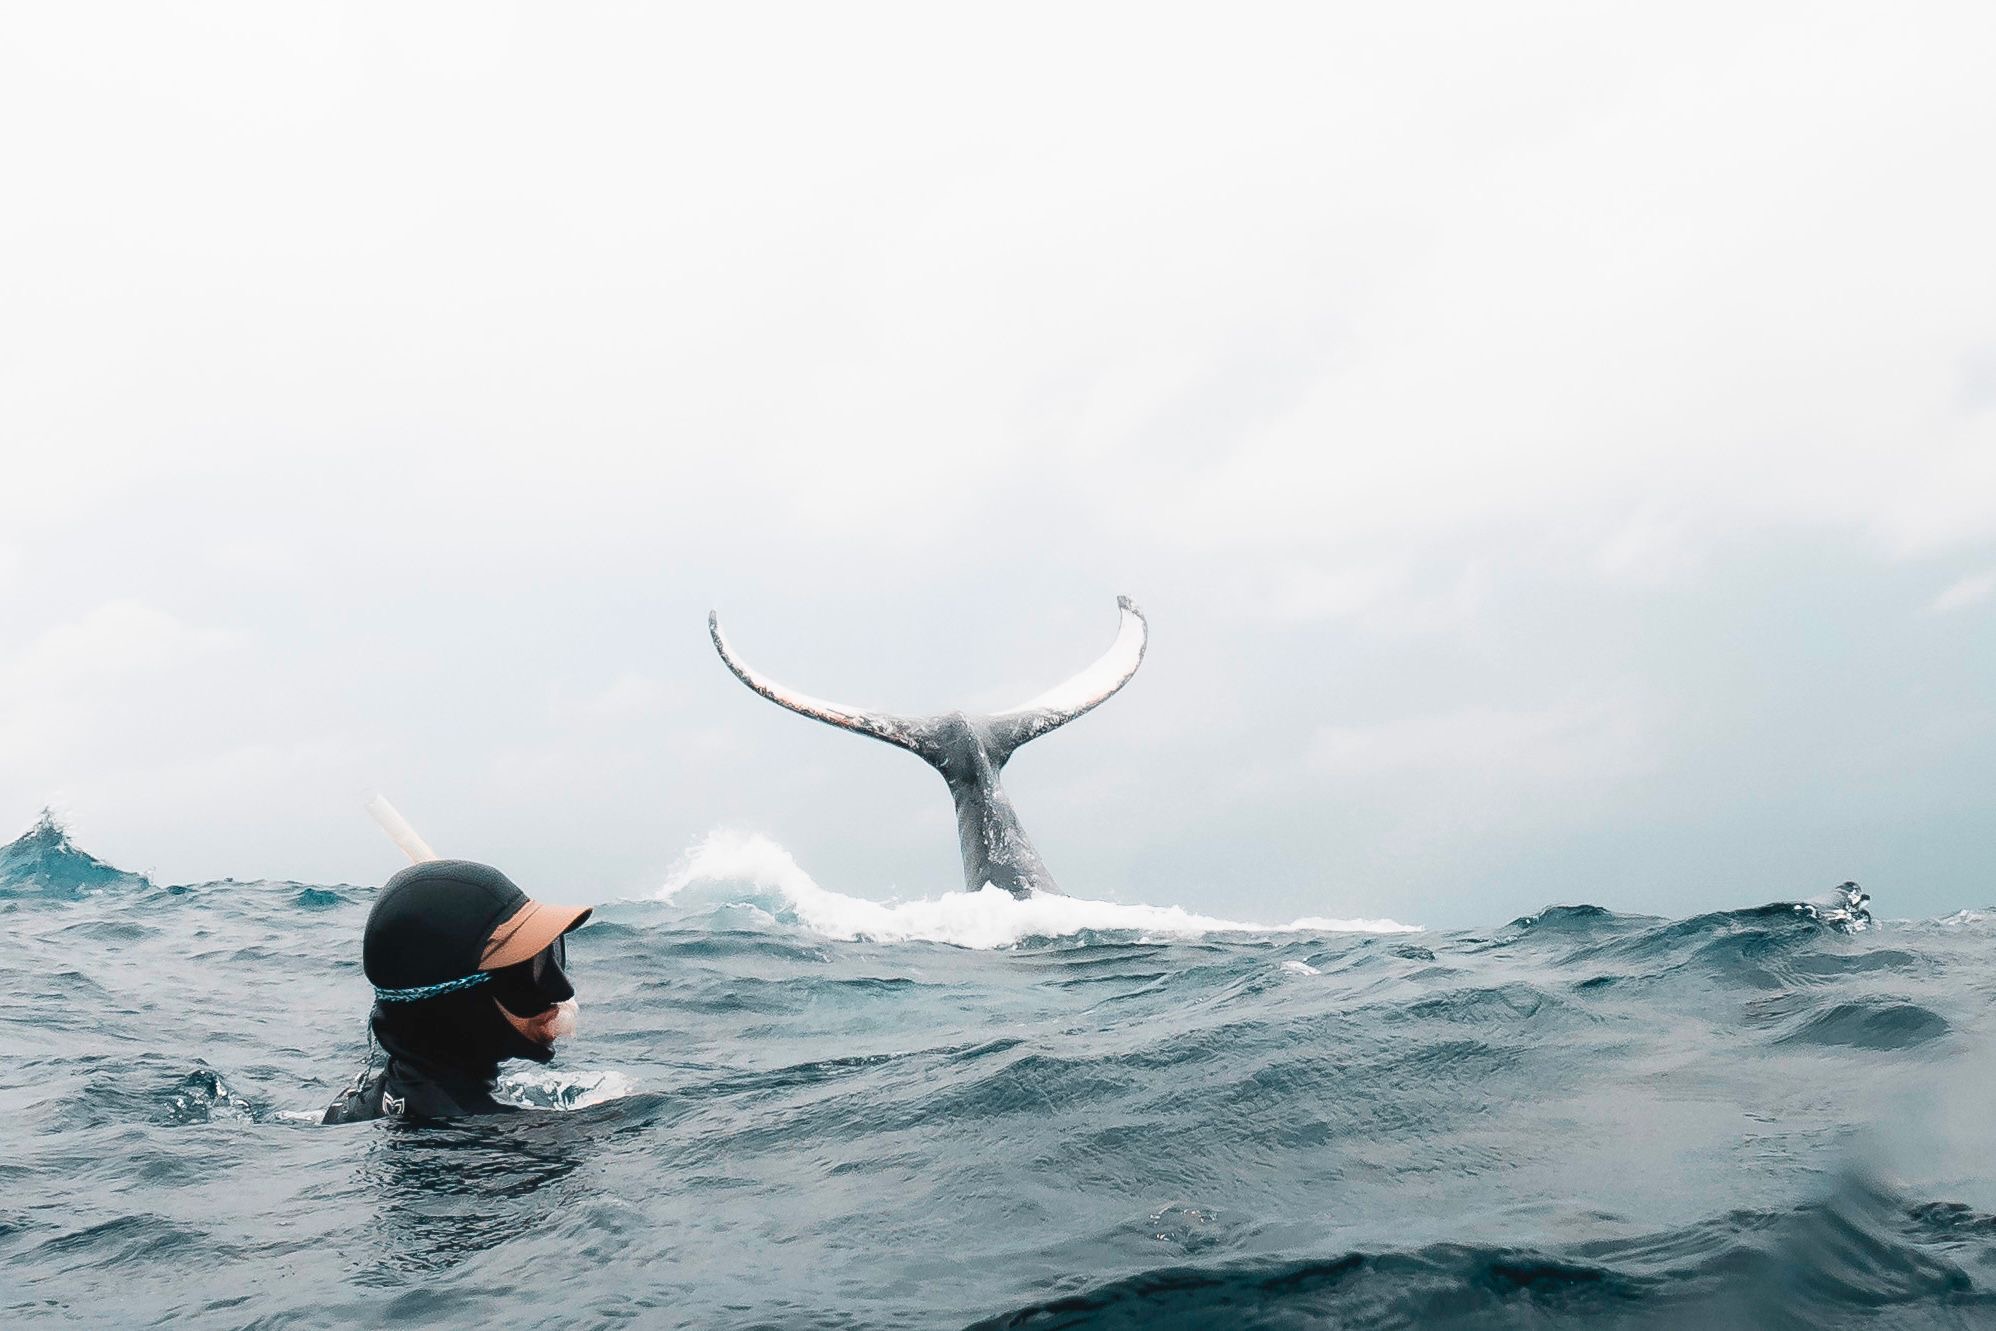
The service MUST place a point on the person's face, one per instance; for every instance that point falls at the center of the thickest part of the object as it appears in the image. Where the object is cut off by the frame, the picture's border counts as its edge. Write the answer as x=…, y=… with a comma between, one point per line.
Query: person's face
x=536, y=997
x=547, y=1027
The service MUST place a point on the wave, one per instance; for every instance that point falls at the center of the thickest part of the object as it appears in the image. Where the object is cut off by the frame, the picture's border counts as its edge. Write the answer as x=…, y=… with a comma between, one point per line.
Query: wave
x=44, y=862
x=1859, y=1253
x=1870, y=1024
x=746, y=880
x=1845, y=908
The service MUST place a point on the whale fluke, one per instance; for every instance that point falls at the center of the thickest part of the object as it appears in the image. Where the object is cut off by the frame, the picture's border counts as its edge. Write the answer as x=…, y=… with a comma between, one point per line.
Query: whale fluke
x=971, y=750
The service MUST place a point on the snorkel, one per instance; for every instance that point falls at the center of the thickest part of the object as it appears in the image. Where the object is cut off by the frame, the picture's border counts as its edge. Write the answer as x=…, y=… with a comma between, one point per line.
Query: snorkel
x=399, y=831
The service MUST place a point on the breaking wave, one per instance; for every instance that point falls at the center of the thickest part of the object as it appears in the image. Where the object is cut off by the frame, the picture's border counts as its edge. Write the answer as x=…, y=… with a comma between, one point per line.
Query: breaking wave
x=745, y=879
x=44, y=862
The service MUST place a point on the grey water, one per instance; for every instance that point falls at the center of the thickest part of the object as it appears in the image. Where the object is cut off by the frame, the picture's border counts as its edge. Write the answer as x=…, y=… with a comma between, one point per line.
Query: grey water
x=1769, y=1117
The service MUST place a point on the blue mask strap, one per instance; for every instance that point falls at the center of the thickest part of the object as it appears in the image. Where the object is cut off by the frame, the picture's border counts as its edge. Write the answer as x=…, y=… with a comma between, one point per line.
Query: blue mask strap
x=423, y=991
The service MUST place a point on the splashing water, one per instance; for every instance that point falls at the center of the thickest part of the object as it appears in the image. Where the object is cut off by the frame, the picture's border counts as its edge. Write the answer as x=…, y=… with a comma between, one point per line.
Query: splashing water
x=748, y=872
x=542, y=1088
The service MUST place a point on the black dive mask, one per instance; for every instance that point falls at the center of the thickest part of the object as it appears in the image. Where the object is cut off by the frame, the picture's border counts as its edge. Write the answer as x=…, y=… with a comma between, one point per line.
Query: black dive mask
x=533, y=986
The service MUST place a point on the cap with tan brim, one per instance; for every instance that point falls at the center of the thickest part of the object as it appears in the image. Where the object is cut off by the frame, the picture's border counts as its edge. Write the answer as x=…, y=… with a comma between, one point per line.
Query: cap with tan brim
x=523, y=934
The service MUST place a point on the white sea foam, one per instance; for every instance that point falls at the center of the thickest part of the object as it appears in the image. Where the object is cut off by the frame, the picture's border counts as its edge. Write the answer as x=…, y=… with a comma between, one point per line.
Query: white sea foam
x=1842, y=907
x=751, y=874
x=545, y=1088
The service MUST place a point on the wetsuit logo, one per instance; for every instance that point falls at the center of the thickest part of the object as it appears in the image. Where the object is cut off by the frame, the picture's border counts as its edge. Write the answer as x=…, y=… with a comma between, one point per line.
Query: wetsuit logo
x=395, y=1106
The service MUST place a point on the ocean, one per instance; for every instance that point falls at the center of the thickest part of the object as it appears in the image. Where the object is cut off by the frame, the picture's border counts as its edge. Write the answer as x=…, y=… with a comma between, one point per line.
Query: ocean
x=794, y=1108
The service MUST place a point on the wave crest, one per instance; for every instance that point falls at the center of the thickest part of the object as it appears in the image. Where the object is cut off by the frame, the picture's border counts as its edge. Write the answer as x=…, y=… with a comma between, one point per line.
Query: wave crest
x=43, y=861
x=748, y=879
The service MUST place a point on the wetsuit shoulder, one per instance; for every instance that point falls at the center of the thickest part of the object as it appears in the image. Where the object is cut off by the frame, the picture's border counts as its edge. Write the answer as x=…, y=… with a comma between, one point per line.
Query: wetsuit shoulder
x=360, y=1103
x=405, y=1092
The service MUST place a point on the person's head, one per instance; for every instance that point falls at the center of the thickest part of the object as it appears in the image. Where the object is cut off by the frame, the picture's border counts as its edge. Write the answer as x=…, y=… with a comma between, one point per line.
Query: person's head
x=467, y=969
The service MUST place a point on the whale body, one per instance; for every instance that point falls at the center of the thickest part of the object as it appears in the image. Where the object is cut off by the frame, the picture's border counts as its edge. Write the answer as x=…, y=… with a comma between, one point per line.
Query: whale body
x=971, y=750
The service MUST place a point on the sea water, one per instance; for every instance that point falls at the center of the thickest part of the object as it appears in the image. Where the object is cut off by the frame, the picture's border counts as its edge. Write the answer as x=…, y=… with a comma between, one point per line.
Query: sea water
x=789, y=1107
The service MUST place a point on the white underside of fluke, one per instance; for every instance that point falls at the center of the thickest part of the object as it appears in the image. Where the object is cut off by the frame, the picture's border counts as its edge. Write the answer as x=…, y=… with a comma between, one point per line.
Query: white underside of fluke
x=1109, y=673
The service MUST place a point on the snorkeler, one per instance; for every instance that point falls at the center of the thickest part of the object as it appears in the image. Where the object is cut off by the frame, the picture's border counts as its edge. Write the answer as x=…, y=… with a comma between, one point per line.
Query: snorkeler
x=467, y=973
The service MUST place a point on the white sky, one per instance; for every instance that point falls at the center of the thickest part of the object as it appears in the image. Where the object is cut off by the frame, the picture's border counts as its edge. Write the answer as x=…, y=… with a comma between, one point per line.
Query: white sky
x=1555, y=444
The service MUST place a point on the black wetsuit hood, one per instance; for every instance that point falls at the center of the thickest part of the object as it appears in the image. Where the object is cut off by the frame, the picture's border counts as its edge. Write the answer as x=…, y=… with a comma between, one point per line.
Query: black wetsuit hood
x=431, y=922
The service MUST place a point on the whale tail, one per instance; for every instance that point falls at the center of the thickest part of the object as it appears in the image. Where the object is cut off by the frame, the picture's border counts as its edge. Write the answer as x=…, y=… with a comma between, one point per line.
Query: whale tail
x=970, y=750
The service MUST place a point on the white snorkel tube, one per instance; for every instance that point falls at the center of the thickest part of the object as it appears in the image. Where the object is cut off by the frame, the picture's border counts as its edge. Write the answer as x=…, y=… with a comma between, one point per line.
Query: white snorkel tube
x=399, y=831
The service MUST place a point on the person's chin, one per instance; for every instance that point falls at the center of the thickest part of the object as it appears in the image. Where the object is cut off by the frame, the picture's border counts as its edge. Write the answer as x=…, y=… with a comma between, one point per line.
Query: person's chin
x=541, y=1031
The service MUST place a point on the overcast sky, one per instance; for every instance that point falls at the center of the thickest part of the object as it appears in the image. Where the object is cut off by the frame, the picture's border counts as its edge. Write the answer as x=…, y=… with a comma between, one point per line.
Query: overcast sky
x=1555, y=444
